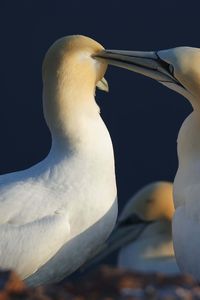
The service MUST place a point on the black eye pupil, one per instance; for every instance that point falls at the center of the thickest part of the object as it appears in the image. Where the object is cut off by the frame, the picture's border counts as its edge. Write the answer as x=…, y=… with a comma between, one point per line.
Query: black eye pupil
x=171, y=69
x=165, y=65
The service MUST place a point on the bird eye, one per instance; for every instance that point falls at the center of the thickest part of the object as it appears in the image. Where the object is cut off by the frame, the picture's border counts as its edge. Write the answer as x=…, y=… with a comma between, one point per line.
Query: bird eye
x=171, y=69
x=149, y=200
x=165, y=65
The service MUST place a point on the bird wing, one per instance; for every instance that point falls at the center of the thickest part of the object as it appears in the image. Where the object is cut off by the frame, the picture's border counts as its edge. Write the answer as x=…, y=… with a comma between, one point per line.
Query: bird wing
x=23, y=198
x=120, y=237
x=26, y=247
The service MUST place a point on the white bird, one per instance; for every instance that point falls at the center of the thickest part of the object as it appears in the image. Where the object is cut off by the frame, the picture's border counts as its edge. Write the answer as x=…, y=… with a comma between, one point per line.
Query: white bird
x=143, y=234
x=54, y=215
x=179, y=70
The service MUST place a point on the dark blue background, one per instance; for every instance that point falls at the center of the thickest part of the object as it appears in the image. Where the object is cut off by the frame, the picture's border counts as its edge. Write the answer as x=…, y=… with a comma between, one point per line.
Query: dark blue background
x=142, y=116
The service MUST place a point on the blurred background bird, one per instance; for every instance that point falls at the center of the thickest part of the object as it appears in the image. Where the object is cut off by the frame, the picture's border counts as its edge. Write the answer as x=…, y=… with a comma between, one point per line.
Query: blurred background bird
x=143, y=235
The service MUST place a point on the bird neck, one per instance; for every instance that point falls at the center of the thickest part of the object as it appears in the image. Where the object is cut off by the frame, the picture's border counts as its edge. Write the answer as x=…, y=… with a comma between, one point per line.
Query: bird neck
x=158, y=229
x=188, y=139
x=70, y=111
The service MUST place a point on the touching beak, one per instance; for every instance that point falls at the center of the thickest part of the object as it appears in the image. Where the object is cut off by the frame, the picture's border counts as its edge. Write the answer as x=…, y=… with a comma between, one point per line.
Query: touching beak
x=146, y=63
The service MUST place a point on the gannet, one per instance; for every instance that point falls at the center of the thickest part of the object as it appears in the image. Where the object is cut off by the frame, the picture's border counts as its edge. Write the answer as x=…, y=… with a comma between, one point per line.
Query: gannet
x=54, y=215
x=179, y=70
x=143, y=234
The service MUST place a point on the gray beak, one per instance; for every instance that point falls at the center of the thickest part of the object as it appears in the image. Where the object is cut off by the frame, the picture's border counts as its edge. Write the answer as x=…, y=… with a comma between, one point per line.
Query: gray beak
x=146, y=63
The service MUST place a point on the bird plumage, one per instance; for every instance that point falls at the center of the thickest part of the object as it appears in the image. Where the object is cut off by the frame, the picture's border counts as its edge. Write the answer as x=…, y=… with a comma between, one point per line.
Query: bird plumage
x=55, y=214
x=143, y=234
x=178, y=69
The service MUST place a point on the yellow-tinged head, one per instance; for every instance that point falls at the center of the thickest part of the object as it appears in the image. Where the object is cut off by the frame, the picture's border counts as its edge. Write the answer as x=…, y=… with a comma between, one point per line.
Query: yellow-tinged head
x=70, y=76
x=72, y=57
x=153, y=202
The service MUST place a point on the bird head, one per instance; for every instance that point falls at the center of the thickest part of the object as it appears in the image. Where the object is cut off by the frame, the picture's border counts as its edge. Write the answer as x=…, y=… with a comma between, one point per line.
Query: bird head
x=177, y=68
x=70, y=58
x=152, y=203
x=182, y=64
x=70, y=76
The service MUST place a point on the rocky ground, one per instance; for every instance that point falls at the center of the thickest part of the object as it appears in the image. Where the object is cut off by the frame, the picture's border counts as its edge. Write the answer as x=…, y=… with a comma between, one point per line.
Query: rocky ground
x=104, y=283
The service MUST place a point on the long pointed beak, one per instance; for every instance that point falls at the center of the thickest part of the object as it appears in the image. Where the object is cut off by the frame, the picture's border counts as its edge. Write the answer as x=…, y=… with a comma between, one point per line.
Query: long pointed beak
x=146, y=63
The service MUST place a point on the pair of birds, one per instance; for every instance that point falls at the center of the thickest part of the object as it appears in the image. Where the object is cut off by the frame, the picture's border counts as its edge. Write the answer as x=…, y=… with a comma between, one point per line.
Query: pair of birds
x=56, y=214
